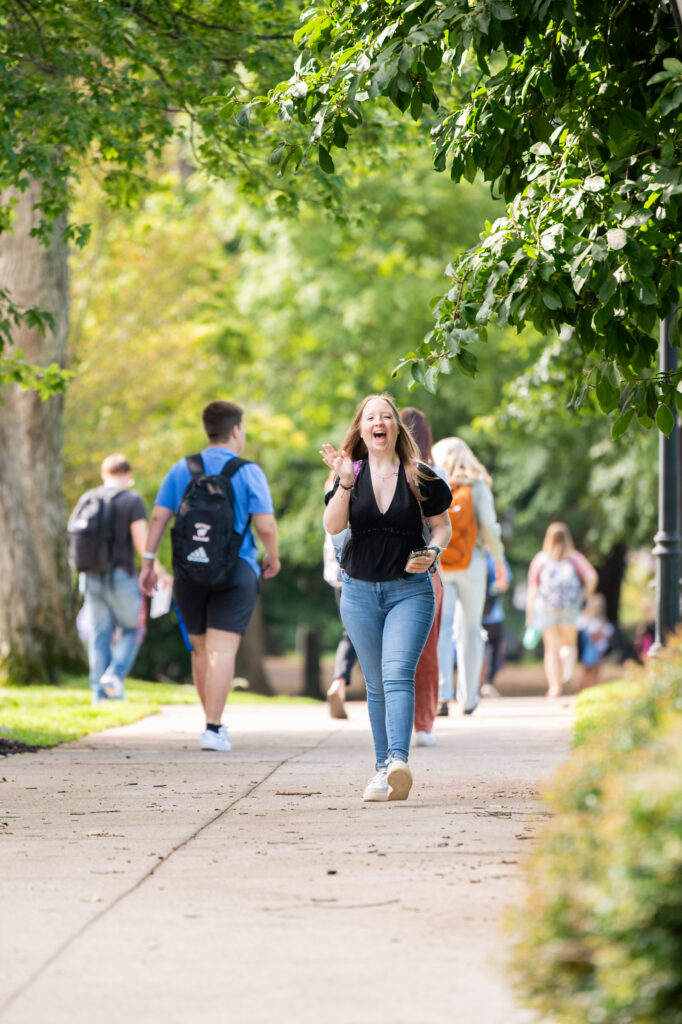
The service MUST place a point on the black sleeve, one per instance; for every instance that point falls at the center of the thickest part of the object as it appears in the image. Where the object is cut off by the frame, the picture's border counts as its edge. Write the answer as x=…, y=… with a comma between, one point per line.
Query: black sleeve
x=136, y=507
x=330, y=494
x=436, y=493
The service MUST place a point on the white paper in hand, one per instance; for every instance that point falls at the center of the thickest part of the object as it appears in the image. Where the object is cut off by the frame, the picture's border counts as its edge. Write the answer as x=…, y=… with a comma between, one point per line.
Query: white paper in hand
x=161, y=601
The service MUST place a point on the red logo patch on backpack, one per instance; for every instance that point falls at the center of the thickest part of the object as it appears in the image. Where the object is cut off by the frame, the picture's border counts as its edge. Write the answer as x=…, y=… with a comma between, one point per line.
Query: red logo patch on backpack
x=460, y=549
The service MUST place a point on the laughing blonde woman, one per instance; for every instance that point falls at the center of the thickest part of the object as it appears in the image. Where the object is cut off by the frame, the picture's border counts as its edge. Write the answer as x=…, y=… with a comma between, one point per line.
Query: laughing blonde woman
x=385, y=494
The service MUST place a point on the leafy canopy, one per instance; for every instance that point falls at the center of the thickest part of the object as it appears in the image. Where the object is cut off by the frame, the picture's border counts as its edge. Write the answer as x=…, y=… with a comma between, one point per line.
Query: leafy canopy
x=572, y=113
x=107, y=86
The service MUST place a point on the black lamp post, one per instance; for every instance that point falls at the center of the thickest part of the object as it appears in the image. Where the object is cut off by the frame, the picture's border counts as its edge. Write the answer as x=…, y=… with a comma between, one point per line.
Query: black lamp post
x=667, y=540
x=676, y=6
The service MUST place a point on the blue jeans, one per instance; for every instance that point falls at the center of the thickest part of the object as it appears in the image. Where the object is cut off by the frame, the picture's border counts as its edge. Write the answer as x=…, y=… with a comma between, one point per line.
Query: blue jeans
x=388, y=624
x=463, y=601
x=111, y=601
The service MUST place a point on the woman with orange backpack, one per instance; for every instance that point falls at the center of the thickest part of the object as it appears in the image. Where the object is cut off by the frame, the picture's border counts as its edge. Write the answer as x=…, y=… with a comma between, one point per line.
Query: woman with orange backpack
x=474, y=528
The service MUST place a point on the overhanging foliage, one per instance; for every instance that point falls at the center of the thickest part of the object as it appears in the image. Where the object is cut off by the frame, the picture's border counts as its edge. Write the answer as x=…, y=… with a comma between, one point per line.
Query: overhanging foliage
x=573, y=115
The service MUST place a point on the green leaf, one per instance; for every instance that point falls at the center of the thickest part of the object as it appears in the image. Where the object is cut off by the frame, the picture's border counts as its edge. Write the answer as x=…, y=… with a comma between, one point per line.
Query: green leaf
x=607, y=394
x=416, y=106
x=502, y=118
x=430, y=379
x=502, y=11
x=433, y=57
x=324, y=157
x=621, y=424
x=595, y=183
x=340, y=135
x=276, y=154
x=244, y=116
x=645, y=291
x=551, y=300
x=406, y=59
x=616, y=238
x=418, y=371
x=665, y=421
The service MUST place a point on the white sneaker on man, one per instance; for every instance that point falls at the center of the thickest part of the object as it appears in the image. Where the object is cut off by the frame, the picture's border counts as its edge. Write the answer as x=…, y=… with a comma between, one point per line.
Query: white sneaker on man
x=399, y=779
x=211, y=740
x=424, y=739
x=111, y=686
x=377, y=788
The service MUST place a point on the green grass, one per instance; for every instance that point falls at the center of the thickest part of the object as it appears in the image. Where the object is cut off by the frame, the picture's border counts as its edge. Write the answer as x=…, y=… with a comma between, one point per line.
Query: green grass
x=44, y=716
x=597, y=706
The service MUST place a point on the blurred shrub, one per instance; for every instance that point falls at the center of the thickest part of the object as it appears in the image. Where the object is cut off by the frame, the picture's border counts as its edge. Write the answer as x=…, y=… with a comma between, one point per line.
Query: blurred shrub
x=599, y=938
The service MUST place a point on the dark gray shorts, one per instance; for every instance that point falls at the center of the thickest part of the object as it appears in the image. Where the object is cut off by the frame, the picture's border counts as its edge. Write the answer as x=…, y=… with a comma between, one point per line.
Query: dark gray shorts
x=228, y=606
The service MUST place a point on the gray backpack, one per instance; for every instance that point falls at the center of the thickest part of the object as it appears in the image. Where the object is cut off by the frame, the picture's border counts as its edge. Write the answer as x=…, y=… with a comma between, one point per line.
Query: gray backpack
x=560, y=586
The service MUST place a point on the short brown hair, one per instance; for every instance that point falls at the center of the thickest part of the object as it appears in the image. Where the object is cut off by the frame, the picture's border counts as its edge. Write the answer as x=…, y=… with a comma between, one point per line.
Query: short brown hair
x=115, y=465
x=219, y=419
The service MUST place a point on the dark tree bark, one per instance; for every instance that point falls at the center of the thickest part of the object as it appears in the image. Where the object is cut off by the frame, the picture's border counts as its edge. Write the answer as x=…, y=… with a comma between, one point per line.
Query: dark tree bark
x=250, y=654
x=37, y=630
x=611, y=573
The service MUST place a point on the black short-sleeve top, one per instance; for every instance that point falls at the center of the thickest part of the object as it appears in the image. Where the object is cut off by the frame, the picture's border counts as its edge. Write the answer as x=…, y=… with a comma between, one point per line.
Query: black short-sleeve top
x=379, y=544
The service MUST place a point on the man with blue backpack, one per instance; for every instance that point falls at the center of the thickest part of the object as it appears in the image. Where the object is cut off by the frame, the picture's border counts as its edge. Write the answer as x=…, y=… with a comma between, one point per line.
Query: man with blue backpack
x=215, y=497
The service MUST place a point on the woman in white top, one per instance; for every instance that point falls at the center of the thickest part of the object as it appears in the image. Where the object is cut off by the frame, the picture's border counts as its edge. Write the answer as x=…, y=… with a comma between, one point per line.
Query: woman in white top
x=465, y=588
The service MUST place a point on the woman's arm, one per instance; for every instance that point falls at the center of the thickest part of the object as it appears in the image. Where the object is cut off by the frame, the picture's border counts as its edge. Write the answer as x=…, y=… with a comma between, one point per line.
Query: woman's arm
x=336, y=513
x=486, y=519
x=441, y=529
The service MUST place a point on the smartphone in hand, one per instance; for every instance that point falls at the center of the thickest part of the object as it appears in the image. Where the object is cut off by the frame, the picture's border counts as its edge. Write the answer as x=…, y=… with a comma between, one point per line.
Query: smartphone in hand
x=419, y=553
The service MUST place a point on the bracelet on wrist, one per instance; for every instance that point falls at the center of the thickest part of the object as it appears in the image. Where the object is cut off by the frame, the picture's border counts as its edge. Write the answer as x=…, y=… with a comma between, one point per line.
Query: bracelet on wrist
x=149, y=556
x=343, y=487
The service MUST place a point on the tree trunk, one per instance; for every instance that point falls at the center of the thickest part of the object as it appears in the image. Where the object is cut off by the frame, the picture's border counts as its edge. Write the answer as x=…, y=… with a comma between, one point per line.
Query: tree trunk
x=611, y=574
x=250, y=654
x=37, y=630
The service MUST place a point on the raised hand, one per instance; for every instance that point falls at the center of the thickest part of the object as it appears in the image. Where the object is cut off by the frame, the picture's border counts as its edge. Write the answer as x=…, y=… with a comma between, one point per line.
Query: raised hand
x=339, y=462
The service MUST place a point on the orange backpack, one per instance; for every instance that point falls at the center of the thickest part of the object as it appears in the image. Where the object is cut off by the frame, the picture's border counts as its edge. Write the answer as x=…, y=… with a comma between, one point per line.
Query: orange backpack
x=460, y=549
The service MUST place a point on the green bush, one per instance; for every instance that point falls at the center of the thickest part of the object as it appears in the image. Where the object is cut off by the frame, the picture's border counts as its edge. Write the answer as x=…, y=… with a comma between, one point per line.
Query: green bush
x=599, y=938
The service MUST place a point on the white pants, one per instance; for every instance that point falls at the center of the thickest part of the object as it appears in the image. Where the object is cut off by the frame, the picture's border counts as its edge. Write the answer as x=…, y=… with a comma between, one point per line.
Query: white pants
x=463, y=600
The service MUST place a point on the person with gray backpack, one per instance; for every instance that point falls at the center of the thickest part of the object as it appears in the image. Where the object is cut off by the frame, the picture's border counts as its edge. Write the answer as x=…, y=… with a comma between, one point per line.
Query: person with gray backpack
x=559, y=580
x=107, y=526
x=215, y=497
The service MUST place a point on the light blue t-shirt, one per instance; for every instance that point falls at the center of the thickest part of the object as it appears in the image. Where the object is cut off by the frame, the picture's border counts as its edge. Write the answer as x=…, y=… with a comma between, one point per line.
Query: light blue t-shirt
x=251, y=494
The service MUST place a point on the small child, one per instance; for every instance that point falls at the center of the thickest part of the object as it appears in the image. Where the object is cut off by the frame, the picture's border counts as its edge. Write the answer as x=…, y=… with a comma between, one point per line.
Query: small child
x=595, y=634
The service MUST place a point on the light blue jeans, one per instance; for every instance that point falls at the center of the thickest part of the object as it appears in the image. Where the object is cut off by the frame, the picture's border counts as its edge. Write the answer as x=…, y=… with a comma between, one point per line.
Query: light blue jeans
x=388, y=624
x=111, y=601
x=463, y=601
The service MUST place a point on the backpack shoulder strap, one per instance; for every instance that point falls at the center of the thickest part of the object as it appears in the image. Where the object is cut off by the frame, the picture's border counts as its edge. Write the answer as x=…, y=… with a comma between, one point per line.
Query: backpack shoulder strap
x=195, y=464
x=232, y=465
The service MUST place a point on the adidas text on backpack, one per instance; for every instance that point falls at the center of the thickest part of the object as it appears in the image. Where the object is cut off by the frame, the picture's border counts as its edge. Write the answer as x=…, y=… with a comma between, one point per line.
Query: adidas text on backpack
x=460, y=549
x=204, y=542
x=91, y=531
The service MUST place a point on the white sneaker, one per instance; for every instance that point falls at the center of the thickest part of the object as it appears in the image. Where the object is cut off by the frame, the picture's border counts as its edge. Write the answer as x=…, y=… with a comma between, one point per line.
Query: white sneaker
x=424, y=739
x=399, y=779
x=111, y=686
x=488, y=690
x=377, y=788
x=215, y=740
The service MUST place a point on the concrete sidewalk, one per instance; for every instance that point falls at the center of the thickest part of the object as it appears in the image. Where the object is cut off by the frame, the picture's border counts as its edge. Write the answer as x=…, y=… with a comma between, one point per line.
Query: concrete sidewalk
x=142, y=880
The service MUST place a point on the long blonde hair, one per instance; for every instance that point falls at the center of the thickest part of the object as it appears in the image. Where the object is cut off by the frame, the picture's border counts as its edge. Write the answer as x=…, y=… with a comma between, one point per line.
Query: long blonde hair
x=558, y=542
x=405, y=445
x=459, y=462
